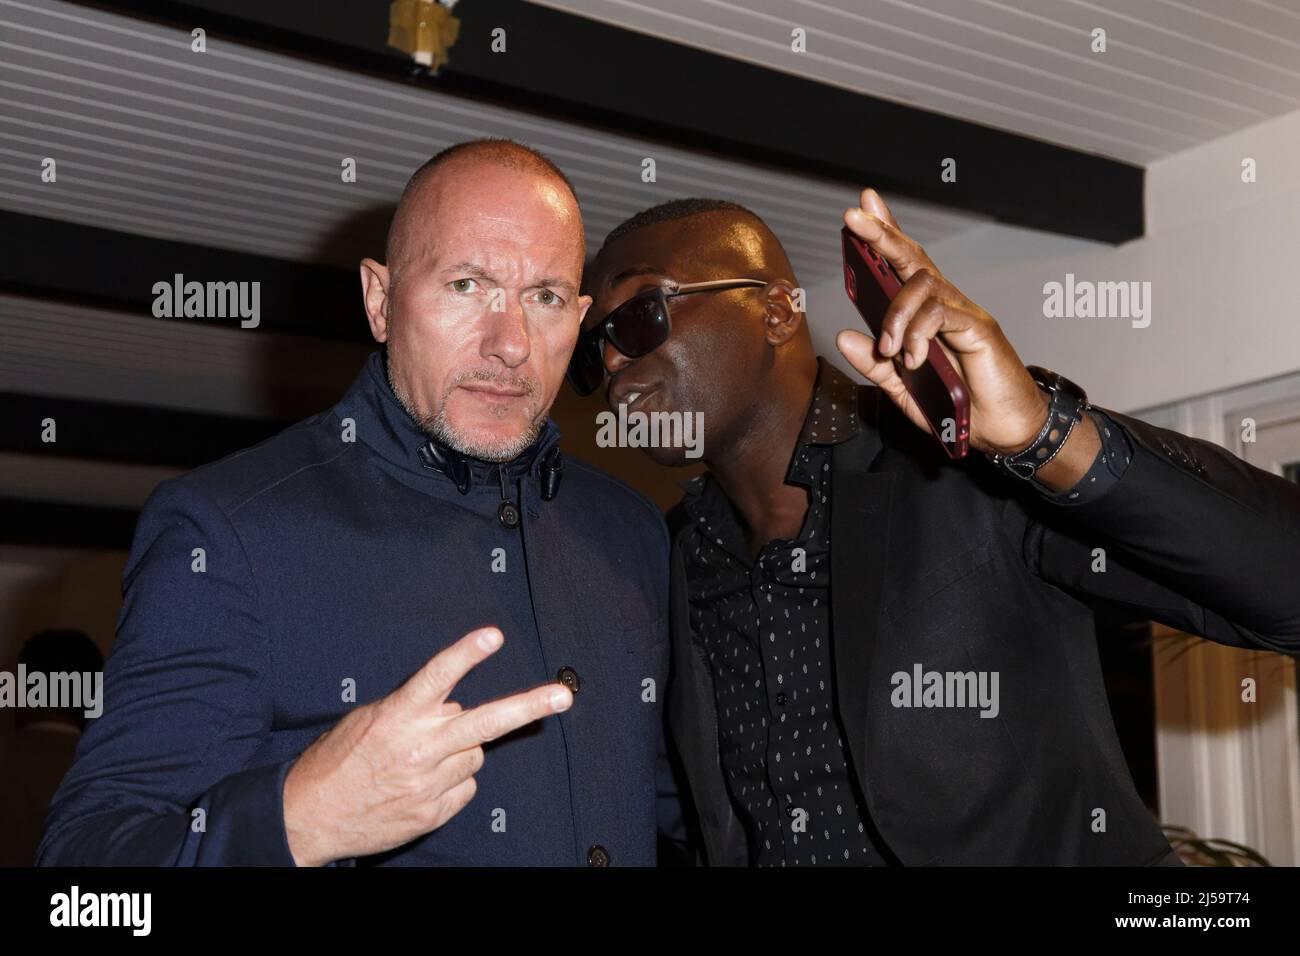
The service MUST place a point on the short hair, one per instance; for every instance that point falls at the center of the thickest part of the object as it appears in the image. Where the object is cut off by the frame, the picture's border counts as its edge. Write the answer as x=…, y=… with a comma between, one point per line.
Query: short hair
x=494, y=149
x=675, y=209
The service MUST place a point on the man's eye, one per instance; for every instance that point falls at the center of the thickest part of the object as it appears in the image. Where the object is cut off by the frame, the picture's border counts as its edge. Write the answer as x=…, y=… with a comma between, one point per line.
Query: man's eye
x=462, y=285
x=547, y=297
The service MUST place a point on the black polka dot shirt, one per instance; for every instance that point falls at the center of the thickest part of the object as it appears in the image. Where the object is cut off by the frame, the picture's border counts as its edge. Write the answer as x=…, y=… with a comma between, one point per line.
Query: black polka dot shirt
x=766, y=630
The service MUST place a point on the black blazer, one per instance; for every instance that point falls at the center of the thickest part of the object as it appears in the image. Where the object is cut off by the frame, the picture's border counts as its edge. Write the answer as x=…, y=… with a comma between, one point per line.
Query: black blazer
x=959, y=568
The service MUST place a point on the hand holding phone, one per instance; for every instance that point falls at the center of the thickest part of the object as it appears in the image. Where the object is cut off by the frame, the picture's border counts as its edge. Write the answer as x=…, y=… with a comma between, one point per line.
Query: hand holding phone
x=935, y=386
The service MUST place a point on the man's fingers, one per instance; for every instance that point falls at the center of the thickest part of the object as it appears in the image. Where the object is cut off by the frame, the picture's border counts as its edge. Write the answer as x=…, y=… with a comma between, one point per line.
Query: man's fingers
x=499, y=717
x=430, y=685
x=871, y=202
x=863, y=355
x=902, y=252
x=926, y=323
x=452, y=802
x=913, y=295
x=460, y=766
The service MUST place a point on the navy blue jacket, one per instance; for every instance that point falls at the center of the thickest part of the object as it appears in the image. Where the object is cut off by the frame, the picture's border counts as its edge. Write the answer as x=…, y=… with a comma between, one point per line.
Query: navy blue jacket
x=330, y=563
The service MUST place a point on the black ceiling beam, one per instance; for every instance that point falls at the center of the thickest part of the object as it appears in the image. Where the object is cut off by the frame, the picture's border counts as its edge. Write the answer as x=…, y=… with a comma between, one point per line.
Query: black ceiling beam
x=88, y=265
x=579, y=69
x=136, y=434
x=56, y=524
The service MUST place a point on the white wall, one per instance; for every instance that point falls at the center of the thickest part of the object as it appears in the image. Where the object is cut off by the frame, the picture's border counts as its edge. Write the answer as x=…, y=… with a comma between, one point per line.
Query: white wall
x=1222, y=257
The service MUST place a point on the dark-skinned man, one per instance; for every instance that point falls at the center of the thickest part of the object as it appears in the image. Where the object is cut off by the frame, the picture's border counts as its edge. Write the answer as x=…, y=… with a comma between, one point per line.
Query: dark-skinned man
x=882, y=656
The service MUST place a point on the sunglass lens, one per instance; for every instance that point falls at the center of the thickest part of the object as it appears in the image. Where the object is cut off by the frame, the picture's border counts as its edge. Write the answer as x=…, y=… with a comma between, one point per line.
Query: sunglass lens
x=640, y=325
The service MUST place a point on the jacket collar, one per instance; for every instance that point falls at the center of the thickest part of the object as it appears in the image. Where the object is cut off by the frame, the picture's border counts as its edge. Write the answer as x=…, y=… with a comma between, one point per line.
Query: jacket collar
x=387, y=429
x=832, y=415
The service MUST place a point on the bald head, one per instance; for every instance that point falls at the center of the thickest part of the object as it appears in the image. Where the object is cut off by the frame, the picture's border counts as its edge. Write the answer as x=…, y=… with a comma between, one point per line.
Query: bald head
x=713, y=227
x=479, y=303
x=416, y=212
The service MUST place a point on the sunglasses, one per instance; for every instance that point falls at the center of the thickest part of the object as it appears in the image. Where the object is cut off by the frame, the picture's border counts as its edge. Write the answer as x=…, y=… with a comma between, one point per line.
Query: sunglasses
x=636, y=328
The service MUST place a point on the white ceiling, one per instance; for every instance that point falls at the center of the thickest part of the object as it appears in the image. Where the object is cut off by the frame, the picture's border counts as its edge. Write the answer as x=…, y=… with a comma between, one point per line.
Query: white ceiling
x=1176, y=73
x=241, y=148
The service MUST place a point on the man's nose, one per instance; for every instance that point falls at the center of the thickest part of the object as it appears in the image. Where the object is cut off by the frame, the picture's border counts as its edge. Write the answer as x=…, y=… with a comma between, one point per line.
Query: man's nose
x=507, y=335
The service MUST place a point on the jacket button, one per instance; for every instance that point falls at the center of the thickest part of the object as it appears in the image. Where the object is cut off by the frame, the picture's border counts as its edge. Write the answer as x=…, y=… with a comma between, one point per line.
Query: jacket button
x=508, y=514
x=780, y=698
x=569, y=678
x=597, y=856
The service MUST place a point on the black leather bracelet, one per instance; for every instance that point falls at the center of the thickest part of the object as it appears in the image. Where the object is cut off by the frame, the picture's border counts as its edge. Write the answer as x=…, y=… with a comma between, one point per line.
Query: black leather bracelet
x=1065, y=410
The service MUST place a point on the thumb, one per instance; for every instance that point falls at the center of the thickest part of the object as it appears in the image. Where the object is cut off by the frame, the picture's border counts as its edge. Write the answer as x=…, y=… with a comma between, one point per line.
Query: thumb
x=860, y=350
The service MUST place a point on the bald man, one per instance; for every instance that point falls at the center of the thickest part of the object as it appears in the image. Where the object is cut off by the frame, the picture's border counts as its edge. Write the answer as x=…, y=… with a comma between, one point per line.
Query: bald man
x=883, y=656
x=378, y=638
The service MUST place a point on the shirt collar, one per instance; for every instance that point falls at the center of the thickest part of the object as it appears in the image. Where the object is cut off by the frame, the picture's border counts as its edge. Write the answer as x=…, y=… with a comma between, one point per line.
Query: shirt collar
x=384, y=426
x=833, y=412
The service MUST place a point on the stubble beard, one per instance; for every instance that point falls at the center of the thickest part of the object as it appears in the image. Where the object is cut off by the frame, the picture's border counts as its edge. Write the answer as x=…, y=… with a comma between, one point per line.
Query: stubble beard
x=441, y=429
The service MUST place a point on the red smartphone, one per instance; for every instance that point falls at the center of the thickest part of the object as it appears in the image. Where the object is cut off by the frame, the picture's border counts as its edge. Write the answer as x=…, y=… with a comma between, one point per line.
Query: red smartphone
x=936, y=387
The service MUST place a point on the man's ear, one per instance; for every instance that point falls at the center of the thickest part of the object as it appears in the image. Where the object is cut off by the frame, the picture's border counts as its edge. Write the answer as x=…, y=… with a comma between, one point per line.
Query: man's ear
x=782, y=320
x=375, y=288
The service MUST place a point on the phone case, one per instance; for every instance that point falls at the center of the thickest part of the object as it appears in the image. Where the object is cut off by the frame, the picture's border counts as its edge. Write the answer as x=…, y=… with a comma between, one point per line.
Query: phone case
x=937, y=389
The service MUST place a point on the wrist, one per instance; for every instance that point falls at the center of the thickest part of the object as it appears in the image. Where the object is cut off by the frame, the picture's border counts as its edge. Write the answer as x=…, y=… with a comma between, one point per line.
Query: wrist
x=1076, y=456
x=1036, y=421
x=302, y=828
x=1067, y=405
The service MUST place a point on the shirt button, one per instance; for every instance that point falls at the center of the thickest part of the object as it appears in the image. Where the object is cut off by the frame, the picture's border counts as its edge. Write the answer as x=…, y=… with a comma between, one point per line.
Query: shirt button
x=780, y=699
x=789, y=809
x=569, y=678
x=508, y=514
x=597, y=856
